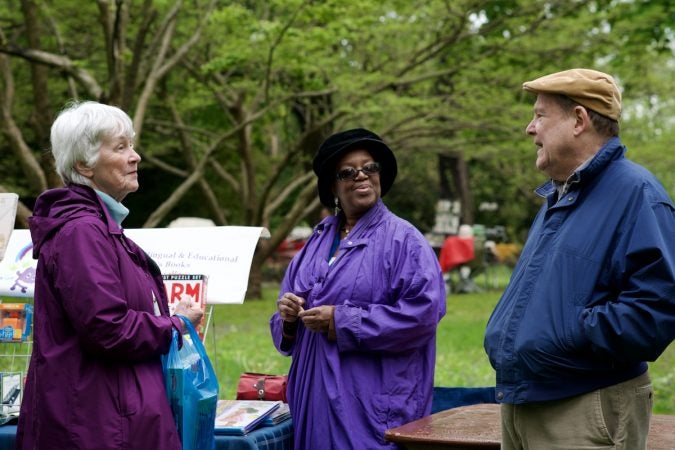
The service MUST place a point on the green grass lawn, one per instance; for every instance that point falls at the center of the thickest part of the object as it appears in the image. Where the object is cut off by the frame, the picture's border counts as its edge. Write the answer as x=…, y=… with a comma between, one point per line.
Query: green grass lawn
x=239, y=341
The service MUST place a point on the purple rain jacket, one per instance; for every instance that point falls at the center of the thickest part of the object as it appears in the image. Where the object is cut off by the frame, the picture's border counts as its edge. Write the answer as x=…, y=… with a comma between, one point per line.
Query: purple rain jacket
x=389, y=296
x=95, y=378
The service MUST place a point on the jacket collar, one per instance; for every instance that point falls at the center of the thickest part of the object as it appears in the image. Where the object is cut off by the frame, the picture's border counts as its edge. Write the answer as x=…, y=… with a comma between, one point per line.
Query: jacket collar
x=611, y=151
x=56, y=207
x=370, y=218
x=90, y=193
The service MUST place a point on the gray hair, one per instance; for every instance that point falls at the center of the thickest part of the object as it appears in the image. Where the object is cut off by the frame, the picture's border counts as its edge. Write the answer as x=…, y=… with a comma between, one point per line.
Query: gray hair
x=77, y=134
x=604, y=125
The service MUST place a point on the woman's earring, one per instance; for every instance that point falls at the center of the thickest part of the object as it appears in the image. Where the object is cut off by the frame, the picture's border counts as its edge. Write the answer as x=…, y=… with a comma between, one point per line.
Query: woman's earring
x=337, y=206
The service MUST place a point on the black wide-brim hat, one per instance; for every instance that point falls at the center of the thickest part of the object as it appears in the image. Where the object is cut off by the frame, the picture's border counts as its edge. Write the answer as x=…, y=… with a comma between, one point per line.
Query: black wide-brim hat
x=338, y=144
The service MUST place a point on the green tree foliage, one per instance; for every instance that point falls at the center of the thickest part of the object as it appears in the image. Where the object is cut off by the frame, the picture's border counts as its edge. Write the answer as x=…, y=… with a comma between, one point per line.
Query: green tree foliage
x=231, y=99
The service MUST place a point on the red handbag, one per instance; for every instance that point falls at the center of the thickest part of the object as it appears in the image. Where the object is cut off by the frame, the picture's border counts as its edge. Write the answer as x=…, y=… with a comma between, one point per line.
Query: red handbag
x=260, y=386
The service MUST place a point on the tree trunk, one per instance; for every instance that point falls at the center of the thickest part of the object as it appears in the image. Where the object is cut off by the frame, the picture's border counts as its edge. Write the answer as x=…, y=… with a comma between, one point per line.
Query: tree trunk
x=254, y=290
x=255, y=278
x=459, y=189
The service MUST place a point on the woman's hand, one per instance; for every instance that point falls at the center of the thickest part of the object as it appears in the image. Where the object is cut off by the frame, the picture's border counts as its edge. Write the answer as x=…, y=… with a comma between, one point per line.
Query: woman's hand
x=319, y=318
x=289, y=306
x=188, y=308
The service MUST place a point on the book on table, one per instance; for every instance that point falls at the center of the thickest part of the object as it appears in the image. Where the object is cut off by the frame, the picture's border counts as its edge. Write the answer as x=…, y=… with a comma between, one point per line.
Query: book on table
x=281, y=414
x=239, y=417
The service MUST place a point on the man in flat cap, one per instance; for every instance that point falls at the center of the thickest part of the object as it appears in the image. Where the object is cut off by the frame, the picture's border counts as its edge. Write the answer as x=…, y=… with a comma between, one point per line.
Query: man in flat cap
x=592, y=297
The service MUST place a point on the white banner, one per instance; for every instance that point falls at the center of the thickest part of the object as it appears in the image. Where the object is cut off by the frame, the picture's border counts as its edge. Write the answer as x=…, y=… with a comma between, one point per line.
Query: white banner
x=8, y=204
x=223, y=254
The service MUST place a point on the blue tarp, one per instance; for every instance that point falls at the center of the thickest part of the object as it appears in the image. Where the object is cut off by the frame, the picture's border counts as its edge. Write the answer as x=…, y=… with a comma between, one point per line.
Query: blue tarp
x=452, y=397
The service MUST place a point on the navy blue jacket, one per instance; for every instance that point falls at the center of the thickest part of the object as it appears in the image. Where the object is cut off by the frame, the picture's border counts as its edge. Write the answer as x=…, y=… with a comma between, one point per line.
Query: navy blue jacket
x=593, y=294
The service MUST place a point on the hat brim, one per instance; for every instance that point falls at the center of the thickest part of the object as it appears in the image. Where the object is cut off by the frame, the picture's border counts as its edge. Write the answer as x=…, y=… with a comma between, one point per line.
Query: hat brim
x=380, y=152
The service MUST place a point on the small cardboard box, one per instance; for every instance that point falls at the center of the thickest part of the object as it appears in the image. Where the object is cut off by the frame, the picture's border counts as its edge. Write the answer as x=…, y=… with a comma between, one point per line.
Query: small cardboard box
x=179, y=285
x=15, y=321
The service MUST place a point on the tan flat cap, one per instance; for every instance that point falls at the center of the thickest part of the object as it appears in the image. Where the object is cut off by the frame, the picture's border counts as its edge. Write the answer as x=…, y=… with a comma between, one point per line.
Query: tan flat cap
x=590, y=88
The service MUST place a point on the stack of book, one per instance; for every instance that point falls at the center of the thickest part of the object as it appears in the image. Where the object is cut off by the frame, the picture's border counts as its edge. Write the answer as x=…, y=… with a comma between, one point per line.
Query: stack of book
x=281, y=414
x=239, y=417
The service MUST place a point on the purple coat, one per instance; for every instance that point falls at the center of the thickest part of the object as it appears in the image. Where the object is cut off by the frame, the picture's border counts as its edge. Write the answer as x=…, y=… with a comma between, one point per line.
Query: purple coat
x=389, y=295
x=95, y=377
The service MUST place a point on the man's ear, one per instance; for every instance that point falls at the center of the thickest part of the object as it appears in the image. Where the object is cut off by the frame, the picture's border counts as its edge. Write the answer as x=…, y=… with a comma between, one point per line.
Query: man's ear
x=84, y=169
x=582, y=120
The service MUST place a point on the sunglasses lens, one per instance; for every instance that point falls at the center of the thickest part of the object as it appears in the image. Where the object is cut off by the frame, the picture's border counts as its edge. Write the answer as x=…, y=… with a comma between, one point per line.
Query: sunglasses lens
x=347, y=174
x=350, y=173
x=371, y=168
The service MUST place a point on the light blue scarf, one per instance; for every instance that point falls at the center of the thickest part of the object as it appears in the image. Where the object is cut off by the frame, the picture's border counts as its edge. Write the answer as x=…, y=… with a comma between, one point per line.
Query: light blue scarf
x=118, y=211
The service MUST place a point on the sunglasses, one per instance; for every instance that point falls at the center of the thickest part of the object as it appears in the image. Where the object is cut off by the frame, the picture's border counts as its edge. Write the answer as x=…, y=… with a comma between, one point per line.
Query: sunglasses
x=351, y=173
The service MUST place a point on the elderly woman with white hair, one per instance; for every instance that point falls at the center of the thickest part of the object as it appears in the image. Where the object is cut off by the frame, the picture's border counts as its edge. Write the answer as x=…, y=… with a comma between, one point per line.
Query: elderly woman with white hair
x=101, y=314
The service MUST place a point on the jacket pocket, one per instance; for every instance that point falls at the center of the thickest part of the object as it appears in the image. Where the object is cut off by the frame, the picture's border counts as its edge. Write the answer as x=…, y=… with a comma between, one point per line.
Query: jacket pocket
x=551, y=337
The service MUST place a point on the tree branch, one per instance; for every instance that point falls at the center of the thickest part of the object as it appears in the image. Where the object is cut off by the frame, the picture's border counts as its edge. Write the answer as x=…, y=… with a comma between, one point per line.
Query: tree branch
x=29, y=164
x=286, y=192
x=227, y=176
x=306, y=202
x=160, y=67
x=62, y=63
x=276, y=43
x=72, y=86
x=188, y=154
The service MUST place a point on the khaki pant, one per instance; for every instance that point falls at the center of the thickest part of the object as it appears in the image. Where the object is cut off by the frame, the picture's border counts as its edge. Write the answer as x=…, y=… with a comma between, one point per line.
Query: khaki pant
x=616, y=417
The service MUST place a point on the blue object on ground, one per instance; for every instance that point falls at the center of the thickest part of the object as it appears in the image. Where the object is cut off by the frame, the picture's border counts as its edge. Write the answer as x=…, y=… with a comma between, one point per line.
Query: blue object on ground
x=452, y=397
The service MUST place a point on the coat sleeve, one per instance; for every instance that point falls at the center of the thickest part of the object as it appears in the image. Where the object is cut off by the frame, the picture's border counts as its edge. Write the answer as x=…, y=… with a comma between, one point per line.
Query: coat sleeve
x=639, y=323
x=96, y=297
x=410, y=318
x=276, y=324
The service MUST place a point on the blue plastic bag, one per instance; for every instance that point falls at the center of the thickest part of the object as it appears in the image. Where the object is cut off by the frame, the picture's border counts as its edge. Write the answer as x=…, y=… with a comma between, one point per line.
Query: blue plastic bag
x=192, y=387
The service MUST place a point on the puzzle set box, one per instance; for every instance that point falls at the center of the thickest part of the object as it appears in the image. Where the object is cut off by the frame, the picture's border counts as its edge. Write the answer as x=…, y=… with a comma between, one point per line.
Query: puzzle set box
x=15, y=321
x=180, y=285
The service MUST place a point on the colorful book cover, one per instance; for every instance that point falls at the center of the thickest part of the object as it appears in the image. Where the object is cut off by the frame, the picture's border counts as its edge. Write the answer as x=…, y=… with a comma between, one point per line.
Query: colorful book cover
x=239, y=417
x=15, y=321
x=178, y=285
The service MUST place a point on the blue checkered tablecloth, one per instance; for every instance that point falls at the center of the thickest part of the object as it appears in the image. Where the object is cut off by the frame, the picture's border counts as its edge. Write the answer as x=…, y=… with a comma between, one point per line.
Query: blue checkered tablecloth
x=278, y=437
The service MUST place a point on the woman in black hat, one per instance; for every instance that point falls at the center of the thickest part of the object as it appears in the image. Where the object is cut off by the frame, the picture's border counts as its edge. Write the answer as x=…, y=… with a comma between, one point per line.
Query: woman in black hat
x=359, y=307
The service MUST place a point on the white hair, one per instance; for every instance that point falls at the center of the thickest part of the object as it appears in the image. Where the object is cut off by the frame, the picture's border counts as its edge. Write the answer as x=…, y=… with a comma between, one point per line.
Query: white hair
x=77, y=134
